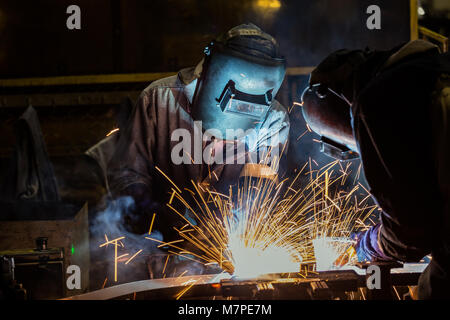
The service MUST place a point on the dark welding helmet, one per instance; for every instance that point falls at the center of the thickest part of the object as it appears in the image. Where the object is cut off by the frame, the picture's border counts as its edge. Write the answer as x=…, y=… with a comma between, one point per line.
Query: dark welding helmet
x=241, y=76
x=327, y=103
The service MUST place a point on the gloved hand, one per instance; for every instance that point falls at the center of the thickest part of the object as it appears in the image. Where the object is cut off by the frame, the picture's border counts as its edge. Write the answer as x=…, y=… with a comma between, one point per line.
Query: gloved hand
x=137, y=217
x=360, y=238
x=367, y=245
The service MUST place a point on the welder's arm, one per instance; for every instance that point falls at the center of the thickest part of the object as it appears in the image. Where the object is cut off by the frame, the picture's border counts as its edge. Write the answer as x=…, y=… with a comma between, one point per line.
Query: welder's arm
x=267, y=145
x=129, y=169
x=391, y=241
x=394, y=169
x=133, y=157
x=266, y=148
x=368, y=247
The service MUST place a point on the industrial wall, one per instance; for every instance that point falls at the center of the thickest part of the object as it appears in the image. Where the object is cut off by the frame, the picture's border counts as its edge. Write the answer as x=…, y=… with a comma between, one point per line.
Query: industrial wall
x=127, y=44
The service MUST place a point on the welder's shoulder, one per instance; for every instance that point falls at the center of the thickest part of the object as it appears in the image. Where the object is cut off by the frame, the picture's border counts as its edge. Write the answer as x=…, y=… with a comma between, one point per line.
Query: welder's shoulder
x=167, y=83
x=162, y=93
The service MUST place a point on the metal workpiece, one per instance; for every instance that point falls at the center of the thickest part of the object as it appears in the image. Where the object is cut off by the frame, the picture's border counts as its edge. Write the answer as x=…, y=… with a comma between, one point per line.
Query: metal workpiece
x=319, y=290
x=384, y=290
x=327, y=285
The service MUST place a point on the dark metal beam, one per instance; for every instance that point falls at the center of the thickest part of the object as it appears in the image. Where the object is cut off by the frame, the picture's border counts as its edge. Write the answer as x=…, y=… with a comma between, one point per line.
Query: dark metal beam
x=67, y=99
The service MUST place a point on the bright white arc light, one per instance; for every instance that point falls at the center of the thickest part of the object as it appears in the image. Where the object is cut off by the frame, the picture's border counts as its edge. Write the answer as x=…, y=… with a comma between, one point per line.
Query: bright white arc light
x=253, y=261
x=327, y=250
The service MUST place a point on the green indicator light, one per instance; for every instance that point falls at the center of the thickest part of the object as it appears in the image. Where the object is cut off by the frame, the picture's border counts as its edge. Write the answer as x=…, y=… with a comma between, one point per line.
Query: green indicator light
x=72, y=250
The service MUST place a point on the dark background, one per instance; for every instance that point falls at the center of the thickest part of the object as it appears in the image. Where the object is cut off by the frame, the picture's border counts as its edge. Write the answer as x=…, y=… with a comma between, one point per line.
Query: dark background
x=132, y=36
x=119, y=36
x=160, y=36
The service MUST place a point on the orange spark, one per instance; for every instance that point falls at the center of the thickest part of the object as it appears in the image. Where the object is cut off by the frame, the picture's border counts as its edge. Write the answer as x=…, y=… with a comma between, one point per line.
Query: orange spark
x=128, y=261
x=112, y=131
x=151, y=224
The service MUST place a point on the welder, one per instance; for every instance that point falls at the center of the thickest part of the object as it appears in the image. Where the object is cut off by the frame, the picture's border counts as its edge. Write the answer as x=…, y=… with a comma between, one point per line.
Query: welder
x=391, y=108
x=180, y=121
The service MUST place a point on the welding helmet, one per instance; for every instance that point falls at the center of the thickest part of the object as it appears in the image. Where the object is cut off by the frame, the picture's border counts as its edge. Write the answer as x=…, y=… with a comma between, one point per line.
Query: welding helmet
x=327, y=103
x=242, y=73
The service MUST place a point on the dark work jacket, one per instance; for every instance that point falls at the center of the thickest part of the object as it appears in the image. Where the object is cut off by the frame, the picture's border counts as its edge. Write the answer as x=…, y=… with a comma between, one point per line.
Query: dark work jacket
x=398, y=128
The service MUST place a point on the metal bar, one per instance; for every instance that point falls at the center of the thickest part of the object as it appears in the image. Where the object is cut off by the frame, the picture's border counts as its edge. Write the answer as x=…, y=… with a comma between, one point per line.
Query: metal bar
x=66, y=99
x=143, y=285
x=299, y=71
x=86, y=79
x=435, y=36
x=111, y=78
x=414, y=19
x=272, y=286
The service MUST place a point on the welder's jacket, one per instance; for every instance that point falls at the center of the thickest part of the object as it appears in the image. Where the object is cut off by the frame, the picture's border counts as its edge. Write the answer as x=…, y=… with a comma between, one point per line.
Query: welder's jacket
x=145, y=143
x=401, y=124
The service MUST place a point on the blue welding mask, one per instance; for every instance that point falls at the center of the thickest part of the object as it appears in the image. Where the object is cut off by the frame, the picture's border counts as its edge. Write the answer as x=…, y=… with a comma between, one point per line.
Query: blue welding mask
x=237, y=87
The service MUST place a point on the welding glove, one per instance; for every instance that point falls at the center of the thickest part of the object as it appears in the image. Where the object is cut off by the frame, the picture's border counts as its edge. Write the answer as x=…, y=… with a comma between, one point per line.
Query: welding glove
x=367, y=245
x=138, y=218
x=256, y=183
